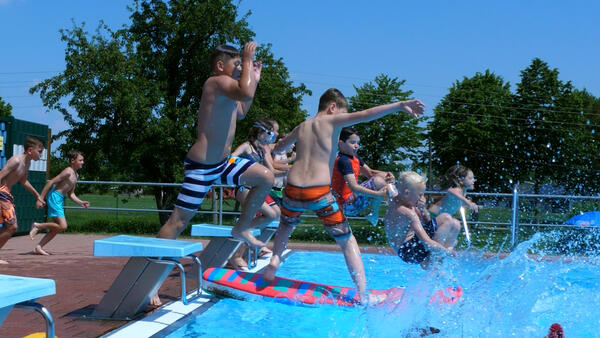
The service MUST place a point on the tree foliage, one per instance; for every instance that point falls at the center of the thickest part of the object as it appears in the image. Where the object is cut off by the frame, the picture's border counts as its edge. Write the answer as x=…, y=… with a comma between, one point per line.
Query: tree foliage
x=131, y=96
x=388, y=143
x=548, y=120
x=470, y=127
x=5, y=108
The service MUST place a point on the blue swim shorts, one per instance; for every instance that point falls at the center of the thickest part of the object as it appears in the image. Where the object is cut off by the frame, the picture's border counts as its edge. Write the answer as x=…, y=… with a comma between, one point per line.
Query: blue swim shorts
x=55, y=202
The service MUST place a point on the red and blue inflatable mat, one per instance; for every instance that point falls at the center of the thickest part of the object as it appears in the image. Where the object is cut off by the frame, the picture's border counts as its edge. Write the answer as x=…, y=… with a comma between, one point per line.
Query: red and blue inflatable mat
x=247, y=285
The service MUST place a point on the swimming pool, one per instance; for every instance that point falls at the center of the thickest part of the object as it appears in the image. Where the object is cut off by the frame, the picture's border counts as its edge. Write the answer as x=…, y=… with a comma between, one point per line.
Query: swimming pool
x=517, y=296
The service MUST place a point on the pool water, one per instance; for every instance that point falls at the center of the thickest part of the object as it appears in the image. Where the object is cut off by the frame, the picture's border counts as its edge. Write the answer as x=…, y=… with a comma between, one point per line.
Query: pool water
x=518, y=296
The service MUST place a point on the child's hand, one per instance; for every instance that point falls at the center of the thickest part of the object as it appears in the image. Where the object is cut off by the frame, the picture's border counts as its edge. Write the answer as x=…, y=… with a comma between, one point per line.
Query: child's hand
x=39, y=204
x=85, y=204
x=413, y=107
x=474, y=207
x=249, y=50
x=389, y=177
x=257, y=70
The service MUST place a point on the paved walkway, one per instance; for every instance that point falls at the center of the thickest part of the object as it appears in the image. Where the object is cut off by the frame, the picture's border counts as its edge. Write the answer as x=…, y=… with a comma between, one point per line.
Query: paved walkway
x=81, y=281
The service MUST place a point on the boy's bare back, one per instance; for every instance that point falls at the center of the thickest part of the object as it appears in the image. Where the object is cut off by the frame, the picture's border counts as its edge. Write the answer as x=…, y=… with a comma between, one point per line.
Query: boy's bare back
x=316, y=148
x=16, y=170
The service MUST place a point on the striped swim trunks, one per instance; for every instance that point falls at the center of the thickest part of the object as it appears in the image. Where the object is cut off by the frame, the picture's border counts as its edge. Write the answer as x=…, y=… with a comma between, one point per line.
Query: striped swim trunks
x=200, y=177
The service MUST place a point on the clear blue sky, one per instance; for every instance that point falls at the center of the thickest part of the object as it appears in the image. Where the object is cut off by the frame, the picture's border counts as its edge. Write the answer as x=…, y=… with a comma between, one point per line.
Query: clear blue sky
x=326, y=44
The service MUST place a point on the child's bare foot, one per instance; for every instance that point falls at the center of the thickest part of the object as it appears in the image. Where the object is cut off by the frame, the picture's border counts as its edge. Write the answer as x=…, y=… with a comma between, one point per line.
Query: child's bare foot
x=271, y=269
x=34, y=230
x=39, y=251
x=3, y=261
x=247, y=237
x=155, y=301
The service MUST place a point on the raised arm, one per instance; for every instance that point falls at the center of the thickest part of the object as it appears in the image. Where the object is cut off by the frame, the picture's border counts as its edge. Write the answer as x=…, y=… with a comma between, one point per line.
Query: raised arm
x=286, y=141
x=412, y=107
x=243, y=89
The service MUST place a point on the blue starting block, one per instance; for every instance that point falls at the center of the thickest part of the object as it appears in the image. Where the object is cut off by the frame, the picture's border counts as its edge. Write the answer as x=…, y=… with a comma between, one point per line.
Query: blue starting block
x=222, y=245
x=152, y=260
x=21, y=292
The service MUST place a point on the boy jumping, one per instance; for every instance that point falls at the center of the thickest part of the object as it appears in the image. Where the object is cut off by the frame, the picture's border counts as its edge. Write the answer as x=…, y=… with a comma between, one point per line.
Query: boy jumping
x=56, y=189
x=14, y=171
x=226, y=97
x=309, y=180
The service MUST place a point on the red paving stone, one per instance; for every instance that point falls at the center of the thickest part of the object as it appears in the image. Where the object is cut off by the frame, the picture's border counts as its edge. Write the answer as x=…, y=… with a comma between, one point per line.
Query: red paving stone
x=81, y=281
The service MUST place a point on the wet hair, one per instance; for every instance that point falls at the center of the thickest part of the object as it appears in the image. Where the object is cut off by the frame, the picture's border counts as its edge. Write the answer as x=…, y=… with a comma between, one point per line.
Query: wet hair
x=72, y=154
x=259, y=127
x=346, y=133
x=454, y=176
x=410, y=179
x=332, y=95
x=222, y=53
x=33, y=141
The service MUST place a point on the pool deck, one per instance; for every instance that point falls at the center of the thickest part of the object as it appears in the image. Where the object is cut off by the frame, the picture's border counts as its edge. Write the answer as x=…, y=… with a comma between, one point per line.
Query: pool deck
x=81, y=281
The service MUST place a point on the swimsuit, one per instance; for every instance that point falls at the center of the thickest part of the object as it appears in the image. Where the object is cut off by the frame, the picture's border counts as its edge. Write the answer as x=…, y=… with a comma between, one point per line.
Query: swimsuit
x=352, y=204
x=318, y=199
x=357, y=203
x=413, y=250
x=199, y=178
x=55, y=202
x=7, y=206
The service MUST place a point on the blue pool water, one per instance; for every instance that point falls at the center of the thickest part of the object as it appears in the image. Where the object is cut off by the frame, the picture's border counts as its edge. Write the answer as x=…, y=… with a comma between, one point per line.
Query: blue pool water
x=517, y=296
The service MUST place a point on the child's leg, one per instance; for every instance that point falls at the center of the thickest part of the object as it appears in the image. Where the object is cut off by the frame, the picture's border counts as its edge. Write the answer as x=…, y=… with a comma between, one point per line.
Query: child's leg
x=354, y=263
x=176, y=223
x=59, y=225
x=282, y=236
x=260, y=180
x=447, y=231
x=7, y=231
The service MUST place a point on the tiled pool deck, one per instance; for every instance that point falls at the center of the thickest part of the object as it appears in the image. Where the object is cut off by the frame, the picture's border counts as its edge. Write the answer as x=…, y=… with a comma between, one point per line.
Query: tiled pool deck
x=81, y=281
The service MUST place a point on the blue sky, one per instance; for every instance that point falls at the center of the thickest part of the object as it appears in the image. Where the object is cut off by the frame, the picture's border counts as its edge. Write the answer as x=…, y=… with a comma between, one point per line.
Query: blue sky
x=326, y=44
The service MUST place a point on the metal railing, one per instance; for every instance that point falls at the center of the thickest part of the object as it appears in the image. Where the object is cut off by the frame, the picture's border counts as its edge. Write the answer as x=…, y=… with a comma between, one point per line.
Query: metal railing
x=218, y=212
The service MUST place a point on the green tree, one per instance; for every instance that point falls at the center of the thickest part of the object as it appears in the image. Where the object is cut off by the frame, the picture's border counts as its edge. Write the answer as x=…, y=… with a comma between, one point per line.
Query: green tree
x=470, y=127
x=546, y=121
x=5, y=108
x=389, y=142
x=131, y=96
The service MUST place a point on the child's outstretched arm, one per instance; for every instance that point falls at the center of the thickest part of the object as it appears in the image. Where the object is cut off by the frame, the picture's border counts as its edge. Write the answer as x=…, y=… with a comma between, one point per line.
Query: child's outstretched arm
x=412, y=107
x=458, y=193
x=288, y=140
x=360, y=190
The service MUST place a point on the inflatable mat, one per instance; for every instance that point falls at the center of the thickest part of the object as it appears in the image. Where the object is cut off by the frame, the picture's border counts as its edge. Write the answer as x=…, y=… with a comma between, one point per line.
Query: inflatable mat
x=247, y=285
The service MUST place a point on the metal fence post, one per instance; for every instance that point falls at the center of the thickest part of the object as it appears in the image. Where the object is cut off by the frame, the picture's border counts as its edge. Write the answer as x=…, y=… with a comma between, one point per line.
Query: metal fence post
x=221, y=205
x=214, y=205
x=514, y=223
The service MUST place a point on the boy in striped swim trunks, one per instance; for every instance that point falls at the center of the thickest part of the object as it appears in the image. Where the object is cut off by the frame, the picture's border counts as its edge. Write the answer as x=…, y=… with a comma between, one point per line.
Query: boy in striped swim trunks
x=309, y=180
x=226, y=98
x=14, y=171
x=61, y=186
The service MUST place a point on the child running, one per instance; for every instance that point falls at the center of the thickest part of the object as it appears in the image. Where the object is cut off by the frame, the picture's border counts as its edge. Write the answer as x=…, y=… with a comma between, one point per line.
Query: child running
x=226, y=97
x=14, y=171
x=352, y=196
x=410, y=231
x=57, y=189
x=309, y=180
